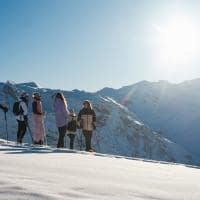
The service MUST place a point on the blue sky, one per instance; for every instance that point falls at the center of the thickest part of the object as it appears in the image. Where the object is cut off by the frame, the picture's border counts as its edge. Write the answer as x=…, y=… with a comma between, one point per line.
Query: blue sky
x=90, y=44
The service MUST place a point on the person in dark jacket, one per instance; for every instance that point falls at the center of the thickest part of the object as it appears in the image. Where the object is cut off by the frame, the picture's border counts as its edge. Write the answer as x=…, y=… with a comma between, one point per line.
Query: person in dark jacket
x=22, y=118
x=71, y=128
x=87, y=122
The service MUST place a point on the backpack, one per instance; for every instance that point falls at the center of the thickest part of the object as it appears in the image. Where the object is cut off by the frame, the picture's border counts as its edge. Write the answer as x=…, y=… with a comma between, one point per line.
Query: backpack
x=72, y=126
x=17, y=110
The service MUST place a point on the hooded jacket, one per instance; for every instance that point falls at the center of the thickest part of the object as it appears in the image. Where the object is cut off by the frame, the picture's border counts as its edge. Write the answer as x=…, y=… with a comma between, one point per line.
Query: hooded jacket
x=87, y=119
x=61, y=113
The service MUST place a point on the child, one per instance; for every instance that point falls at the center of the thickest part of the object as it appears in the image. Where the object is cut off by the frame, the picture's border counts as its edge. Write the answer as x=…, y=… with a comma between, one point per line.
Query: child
x=71, y=128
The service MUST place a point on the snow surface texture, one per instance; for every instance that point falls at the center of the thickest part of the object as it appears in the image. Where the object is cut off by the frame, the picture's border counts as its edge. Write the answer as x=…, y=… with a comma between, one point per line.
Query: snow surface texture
x=119, y=131
x=46, y=173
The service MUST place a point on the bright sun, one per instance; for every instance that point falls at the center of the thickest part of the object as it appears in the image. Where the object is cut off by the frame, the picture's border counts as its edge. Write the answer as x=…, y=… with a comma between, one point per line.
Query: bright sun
x=178, y=42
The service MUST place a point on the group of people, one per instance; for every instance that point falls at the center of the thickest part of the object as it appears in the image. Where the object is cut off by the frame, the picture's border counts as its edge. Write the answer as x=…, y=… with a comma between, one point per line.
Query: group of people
x=67, y=122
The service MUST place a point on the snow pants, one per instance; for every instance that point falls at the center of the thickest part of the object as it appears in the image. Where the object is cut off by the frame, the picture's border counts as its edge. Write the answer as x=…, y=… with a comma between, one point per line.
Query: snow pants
x=88, y=138
x=38, y=129
x=71, y=137
x=62, y=131
x=21, y=130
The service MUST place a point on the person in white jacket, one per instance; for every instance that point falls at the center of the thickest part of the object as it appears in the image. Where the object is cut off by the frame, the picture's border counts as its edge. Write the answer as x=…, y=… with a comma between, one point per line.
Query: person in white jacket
x=22, y=118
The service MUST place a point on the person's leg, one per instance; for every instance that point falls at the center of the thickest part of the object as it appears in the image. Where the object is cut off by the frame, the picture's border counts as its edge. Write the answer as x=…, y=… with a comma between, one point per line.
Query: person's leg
x=72, y=141
x=86, y=141
x=62, y=132
x=88, y=137
x=41, y=142
x=41, y=131
x=18, y=131
x=89, y=140
x=59, y=138
x=71, y=136
x=23, y=130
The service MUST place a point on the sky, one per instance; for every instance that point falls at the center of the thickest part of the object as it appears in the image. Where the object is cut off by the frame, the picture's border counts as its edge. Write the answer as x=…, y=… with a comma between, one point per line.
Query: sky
x=91, y=44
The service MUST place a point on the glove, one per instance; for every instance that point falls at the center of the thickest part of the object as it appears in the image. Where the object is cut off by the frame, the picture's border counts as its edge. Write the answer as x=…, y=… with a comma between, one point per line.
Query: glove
x=4, y=108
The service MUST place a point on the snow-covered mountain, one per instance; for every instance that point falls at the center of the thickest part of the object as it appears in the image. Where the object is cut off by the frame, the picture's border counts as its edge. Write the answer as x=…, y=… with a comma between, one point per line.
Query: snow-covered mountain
x=119, y=131
x=171, y=109
x=38, y=173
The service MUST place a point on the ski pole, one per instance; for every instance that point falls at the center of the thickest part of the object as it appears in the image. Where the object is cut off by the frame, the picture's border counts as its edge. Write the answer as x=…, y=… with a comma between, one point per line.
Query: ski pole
x=81, y=140
x=65, y=140
x=30, y=132
x=45, y=136
x=97, y=140
x=6, y=127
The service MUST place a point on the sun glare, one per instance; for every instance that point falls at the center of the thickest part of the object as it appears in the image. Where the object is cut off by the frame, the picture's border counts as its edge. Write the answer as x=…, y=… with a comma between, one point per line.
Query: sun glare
x=177, y=42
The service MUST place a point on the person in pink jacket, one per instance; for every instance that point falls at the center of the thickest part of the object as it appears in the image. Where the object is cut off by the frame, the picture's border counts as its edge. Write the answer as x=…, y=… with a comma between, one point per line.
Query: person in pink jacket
x=62, y=117
x=38, y=119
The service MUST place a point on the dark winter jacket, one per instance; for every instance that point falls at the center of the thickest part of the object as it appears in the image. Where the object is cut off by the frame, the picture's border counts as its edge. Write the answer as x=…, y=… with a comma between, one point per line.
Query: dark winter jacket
x=87, y=119
x=35, y=108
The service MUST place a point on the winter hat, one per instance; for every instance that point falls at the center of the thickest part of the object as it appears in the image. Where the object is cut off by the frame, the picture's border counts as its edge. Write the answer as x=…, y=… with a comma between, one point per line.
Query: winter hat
x=72, y=113
x=36, y=95
x=24, y=95
x=86, y=102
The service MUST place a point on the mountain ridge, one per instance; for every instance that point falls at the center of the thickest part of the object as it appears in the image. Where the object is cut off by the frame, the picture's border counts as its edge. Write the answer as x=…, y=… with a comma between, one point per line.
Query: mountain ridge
x=119, y=131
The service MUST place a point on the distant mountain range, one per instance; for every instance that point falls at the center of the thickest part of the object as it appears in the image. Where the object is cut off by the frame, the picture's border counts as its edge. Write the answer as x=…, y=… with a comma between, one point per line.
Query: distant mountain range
x=170, y=109
x=149, y=120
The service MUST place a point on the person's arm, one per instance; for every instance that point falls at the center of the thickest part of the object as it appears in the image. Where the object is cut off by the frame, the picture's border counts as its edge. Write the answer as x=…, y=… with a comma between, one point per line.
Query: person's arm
x=94, y=119
x=39, y=108
x=79, y=124
x=79, y=116
x=94, y=116
x=67, y=113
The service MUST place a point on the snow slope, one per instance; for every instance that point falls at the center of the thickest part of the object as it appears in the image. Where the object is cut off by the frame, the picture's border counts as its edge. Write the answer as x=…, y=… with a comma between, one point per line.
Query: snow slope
x=46, y=173
x=119, y=131
x=171, y=109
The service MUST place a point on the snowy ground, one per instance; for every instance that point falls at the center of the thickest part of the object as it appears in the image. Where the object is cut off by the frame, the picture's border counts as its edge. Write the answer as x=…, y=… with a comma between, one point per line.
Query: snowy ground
x=46, y=173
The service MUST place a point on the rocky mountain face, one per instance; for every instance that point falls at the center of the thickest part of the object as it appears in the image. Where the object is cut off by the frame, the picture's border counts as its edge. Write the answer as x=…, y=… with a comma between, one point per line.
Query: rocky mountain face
x=170, y=109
